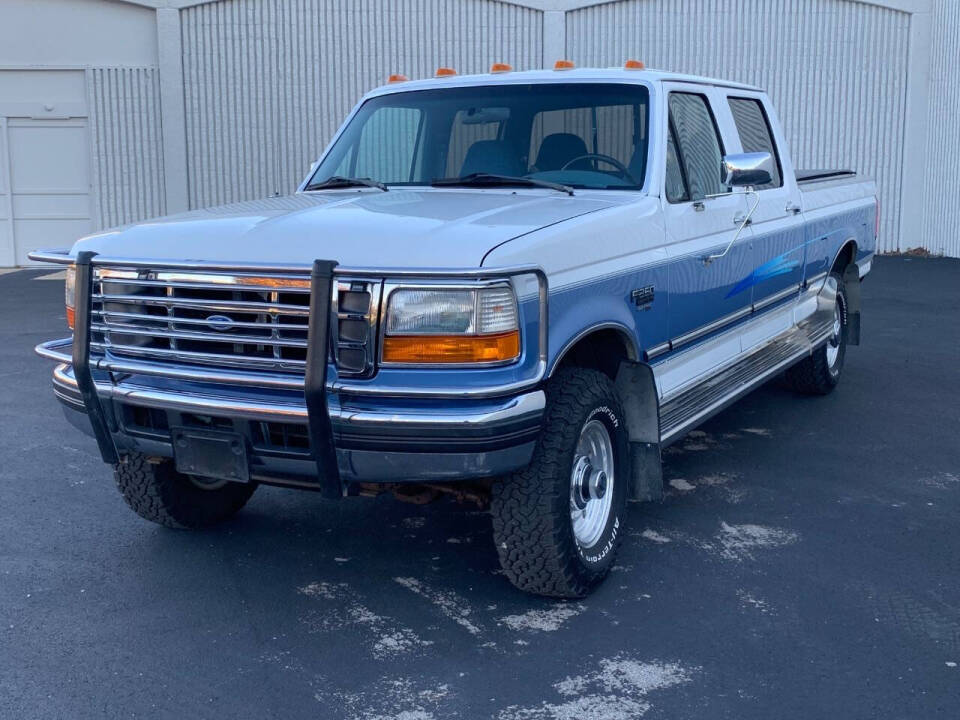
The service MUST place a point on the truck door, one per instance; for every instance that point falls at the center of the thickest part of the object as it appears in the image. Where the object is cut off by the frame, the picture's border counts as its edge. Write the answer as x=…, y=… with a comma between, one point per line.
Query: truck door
x=703, y=293
x=777, y=224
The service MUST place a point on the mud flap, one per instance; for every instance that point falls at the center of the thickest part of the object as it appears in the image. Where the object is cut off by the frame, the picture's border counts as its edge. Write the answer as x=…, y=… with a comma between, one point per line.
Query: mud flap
x=638, y=395
x=646, y=470
x=851, y=286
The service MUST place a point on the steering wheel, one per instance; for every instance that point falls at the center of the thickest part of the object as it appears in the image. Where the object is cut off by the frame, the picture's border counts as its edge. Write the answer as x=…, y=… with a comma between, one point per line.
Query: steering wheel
x=624, y=172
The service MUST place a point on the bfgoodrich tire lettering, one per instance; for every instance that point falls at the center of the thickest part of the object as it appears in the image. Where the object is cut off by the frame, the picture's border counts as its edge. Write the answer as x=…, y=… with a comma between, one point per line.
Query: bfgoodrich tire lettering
x=157, y=492
x=533, y=526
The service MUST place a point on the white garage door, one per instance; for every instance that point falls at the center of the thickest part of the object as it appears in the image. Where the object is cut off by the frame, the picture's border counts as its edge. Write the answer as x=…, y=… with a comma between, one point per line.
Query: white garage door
x=49, y=183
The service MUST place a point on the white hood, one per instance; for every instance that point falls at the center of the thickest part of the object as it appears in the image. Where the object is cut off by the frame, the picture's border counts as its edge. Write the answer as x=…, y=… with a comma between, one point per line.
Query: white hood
x=435, y=228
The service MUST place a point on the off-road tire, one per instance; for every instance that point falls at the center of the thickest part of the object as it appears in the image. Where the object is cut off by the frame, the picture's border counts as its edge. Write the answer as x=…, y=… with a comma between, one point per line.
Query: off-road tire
x=532, y=525
x=157, y=492
x=814, y=375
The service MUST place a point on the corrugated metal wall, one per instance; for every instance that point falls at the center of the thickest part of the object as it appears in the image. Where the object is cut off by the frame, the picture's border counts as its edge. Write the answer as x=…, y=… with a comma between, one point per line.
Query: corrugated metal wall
x=267, y=82
x=124, y=109
x=941, y=209
x=835, y=69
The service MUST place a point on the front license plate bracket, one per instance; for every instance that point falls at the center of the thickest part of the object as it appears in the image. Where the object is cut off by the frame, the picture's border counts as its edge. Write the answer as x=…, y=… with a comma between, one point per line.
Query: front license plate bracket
x=210, y=454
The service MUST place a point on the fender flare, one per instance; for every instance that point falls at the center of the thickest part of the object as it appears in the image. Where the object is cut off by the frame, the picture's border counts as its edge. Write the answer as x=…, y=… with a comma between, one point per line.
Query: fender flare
x=624, y=332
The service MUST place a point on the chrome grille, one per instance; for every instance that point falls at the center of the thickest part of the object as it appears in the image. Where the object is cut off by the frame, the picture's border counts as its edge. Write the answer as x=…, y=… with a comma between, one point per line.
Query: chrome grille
x=252, y=321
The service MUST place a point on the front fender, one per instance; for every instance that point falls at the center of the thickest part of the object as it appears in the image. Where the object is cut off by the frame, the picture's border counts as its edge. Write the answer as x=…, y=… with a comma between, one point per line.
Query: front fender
x=575, y=313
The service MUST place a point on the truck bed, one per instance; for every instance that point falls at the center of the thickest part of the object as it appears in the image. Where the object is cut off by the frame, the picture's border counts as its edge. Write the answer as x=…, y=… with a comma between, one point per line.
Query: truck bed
x=821, y=174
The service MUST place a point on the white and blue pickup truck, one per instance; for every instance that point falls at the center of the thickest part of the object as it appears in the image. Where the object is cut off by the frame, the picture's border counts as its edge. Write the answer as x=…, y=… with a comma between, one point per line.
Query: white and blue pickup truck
x=518, y=287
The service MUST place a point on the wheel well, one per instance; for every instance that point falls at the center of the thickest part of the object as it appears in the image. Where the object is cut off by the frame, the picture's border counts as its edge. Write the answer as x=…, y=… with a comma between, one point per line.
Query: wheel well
x=601, y=350
x=847, y=255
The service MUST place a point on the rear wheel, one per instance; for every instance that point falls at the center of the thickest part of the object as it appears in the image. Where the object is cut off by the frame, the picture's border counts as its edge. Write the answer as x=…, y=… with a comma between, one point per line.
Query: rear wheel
x=819, y=373
x=157, y=492
x=558, y=522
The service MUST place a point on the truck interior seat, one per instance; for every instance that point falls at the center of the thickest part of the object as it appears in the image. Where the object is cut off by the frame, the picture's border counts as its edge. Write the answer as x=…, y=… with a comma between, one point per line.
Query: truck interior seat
x=490, y=156
x=558, y=149
x=637, y=167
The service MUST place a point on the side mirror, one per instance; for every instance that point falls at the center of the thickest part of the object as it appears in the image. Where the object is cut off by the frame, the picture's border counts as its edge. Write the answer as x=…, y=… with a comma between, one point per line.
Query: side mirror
x=746, y=169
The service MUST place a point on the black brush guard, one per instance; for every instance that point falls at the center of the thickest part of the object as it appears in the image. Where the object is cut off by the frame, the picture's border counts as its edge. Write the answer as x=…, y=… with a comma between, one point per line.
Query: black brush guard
x=315, y=382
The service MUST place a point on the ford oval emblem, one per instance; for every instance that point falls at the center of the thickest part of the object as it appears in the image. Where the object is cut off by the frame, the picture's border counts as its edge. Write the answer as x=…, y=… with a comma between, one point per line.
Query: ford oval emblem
x=220, y=323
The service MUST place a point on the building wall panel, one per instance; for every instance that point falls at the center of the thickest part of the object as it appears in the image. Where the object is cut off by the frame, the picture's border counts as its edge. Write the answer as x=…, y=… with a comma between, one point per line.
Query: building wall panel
x=267, y=82
x=126, y=145
x=941, y=209
x=836, y=70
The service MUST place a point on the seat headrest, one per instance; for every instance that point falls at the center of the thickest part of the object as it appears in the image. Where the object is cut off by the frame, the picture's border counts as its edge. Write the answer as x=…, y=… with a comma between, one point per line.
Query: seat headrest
x=557, y=149
x=491, y=156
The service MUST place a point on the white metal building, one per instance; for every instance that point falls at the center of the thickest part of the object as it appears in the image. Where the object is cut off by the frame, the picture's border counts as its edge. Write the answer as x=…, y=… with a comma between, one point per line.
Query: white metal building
x=117, y=110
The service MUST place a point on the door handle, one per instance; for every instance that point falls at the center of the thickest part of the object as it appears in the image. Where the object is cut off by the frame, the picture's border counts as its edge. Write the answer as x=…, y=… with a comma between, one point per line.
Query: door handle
x=792, y=208
x=742, y=219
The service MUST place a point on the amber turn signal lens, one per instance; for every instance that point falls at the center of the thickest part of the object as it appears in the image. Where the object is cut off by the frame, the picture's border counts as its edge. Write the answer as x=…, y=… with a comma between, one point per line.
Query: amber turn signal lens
x=461, y=349
x=71, y=318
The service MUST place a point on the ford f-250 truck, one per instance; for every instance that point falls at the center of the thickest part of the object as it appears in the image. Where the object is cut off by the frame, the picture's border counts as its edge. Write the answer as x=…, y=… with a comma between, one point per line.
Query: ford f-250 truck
x=518, y=286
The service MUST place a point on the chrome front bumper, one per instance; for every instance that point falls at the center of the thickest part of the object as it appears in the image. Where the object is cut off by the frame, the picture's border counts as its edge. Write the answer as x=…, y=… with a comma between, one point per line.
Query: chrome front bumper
x=392, y=441
x=320, y=428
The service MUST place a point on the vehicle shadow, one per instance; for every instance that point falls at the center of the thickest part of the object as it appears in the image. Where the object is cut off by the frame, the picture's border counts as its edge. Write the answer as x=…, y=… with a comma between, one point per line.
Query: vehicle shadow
x=285, y=540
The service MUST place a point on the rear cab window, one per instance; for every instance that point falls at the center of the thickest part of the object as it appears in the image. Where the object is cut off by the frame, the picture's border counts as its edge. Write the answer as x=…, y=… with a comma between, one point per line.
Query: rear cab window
x=753, y=127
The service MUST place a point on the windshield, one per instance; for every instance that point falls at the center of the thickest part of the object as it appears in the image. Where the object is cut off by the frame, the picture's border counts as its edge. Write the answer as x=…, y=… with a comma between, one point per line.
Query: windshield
x=581, y=135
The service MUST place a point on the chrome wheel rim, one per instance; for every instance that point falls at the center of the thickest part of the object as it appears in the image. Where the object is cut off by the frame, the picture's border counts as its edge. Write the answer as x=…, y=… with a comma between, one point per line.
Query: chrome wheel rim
x=833, y=345
x=591, y=483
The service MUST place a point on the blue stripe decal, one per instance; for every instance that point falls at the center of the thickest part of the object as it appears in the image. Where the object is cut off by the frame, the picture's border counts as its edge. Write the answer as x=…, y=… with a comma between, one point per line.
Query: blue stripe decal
x=780, y=265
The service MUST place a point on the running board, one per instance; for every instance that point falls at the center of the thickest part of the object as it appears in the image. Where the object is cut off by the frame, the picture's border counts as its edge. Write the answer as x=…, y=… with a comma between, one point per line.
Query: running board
x=690, y=407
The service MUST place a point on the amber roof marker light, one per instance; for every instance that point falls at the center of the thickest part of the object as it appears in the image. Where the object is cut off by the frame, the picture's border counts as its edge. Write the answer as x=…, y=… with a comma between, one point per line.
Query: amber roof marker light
x=397, y=78
x=500, y=68
x=564, y=65
x=445, y=72
x=633, y=65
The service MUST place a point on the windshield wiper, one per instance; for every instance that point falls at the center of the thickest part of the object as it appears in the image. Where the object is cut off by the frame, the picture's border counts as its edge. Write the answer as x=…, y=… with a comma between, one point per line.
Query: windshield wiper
x=480, y=179
x=338, y=181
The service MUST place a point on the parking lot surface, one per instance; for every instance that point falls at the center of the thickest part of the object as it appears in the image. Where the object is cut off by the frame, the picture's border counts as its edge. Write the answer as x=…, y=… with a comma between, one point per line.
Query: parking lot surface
x=805, y=563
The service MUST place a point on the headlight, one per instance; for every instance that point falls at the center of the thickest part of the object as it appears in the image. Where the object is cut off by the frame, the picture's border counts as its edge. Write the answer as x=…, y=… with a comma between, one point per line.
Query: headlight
x=451, y=325
x=70, y=295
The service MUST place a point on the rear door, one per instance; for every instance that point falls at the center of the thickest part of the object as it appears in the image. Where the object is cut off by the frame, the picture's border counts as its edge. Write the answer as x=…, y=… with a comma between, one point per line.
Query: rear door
x=777, y=222
x=703, y=299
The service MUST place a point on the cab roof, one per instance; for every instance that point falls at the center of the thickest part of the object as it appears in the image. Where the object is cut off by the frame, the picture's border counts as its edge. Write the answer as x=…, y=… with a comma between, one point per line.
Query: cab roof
x=614, y=75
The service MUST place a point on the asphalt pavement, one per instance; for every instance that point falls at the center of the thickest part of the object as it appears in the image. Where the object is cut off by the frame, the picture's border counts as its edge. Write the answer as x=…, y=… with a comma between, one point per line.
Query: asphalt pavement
x=805, y=563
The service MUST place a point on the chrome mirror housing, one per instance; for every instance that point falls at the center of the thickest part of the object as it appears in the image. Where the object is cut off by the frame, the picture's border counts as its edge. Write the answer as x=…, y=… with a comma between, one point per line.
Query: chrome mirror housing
x=746, y=169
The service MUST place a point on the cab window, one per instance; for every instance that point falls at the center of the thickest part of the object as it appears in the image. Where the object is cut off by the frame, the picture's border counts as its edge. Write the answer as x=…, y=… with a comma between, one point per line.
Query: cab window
x=755, y=134
x=697, y=149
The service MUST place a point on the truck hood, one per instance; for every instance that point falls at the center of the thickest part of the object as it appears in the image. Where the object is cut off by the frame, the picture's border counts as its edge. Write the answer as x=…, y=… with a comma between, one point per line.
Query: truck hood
x=367, y=228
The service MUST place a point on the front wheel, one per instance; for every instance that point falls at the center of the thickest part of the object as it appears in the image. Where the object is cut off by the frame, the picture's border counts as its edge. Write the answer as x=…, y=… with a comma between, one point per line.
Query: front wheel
x=558, y=522
x=157, y=492
x=819, y=373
